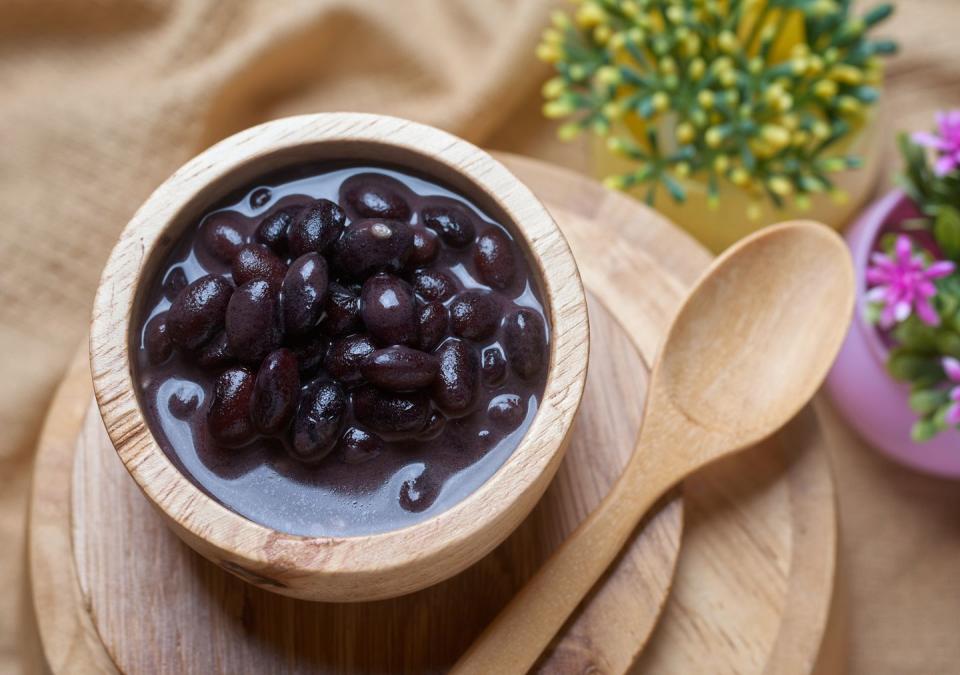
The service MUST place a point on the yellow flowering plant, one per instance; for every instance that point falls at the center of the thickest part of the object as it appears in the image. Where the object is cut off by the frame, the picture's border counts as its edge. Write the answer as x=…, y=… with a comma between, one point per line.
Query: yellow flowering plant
x=757, y=93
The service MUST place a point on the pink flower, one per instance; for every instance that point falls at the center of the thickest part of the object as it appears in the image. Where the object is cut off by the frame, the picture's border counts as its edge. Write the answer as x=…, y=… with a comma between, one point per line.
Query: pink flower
x=947, y=144
x=952, y=368
x=903, y=283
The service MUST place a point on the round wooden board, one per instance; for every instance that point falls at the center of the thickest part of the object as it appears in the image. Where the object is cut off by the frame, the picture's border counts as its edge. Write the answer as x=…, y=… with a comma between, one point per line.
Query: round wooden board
x=753, y=585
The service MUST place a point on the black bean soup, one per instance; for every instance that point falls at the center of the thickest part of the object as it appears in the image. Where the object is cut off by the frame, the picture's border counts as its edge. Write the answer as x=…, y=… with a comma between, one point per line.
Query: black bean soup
x=346, y=351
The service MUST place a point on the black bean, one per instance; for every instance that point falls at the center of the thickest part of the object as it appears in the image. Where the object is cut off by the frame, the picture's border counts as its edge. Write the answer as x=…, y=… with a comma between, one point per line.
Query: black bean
x=229, y=416
x=315, y=228
x=183, y=401
x=493, y=255
x=319, y=418
x=390, y=412
x=507, y=411
x=345, y=356
x=358, y=445
x=525, y=341
x=174, y=282
x=389, y=310
x=475, y=315
x=256, y=261
x=214, y=354
x=157, y=340
x=425, y=246
x=220, y=236
x=369, y=246
x=252, y=327
x=432, y=321
x=260, y=197
x=418, y=494
x=493, y=365
x=272, y=230
x=343, y=310
x=434, y=284
x=456, y=384
x=304, y=292
x=372, y=195
x=452, y=222
x=399, y=368
x=275, y=391
x=198, y=312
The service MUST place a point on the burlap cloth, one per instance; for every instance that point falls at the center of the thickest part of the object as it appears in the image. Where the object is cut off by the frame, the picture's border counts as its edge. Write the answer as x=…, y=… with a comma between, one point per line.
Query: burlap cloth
x=101, y=99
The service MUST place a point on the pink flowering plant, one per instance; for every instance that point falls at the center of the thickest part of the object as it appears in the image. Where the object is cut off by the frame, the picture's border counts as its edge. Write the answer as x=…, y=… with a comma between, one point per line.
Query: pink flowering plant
x=913, y=280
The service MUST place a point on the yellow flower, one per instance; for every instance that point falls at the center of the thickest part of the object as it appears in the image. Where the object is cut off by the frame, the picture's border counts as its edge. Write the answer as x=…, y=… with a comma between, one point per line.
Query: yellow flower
x=608, y=75
x=780, y=185
x=553, y=87
x=685, y=133
x=568, y=131
x=558, y=108
x=548, y=53
x=660, y=101
x=705, y=98
x=589, y=14
x=775, y=135
x=614, y=182
x=714, y=137
x=825, y=89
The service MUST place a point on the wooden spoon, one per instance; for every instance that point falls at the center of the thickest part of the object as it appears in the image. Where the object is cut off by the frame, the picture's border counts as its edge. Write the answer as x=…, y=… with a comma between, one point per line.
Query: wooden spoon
x=747, y=350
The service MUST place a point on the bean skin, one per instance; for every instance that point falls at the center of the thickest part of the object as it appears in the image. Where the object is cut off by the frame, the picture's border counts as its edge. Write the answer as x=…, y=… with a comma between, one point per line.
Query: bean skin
x=525, y=342
x=303, y=293
x=318, y=421
x=229, y=416
x=475, y=315
x=199, y=311
x=252, y=326
x=455, y=387
x=493, y=256
x=157, y=340
x=432, y=322
x=256, y=261
x=315, y=228
x=275, y=391
x=399, y=368
x=371, y=195
x=346, y=355
x=358, y=445
x=389, y=310
x=453, y=223
x=369, y=246
x=220, y=237
x=434, y=285
x=391, y=412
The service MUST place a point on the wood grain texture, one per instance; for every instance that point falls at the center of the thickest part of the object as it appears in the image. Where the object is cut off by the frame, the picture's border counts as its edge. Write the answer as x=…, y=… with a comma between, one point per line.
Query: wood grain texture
x=755, y=573
x=368, y=567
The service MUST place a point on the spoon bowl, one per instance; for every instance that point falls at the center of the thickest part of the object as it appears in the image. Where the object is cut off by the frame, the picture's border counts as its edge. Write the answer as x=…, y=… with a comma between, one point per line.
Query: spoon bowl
x=747, y=350
x=757, y=335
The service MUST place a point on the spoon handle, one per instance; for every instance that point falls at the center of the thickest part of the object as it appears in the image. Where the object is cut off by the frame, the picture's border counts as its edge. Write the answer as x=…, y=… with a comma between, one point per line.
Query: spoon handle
x=513, y=642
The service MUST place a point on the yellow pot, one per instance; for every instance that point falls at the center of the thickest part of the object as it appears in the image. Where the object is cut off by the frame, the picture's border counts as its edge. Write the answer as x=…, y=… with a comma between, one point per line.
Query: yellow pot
x=717, y=228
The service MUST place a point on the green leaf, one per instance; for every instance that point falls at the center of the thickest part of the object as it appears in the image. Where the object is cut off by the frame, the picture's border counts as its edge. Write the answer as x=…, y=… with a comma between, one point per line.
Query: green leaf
x=917, y=337
x=923, y=430
x=946, y=229
x=948, y=343
x=926, y=401
x=922, y=371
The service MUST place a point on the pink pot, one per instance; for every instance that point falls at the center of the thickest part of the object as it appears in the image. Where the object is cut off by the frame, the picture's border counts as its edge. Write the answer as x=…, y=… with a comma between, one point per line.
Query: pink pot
x=873, y=402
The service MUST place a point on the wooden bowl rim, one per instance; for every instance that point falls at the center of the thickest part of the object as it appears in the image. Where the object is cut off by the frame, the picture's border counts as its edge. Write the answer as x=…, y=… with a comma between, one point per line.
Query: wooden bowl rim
x=484, y=513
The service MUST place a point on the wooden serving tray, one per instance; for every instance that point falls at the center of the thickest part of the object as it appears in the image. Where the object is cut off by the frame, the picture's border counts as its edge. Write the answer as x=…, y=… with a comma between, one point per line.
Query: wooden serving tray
x=752, y=585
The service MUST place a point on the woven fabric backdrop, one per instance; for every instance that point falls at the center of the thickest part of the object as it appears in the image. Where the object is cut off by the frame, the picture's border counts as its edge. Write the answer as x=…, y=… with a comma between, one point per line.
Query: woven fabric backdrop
x=100, y=100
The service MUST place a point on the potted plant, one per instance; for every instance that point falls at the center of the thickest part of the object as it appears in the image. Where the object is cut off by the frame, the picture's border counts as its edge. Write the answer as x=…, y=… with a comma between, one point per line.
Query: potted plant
x=726, y=115
x=897, y=379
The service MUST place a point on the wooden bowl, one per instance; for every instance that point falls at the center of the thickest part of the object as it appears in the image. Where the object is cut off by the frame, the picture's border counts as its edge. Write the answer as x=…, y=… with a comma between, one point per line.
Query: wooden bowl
x=339, y=569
